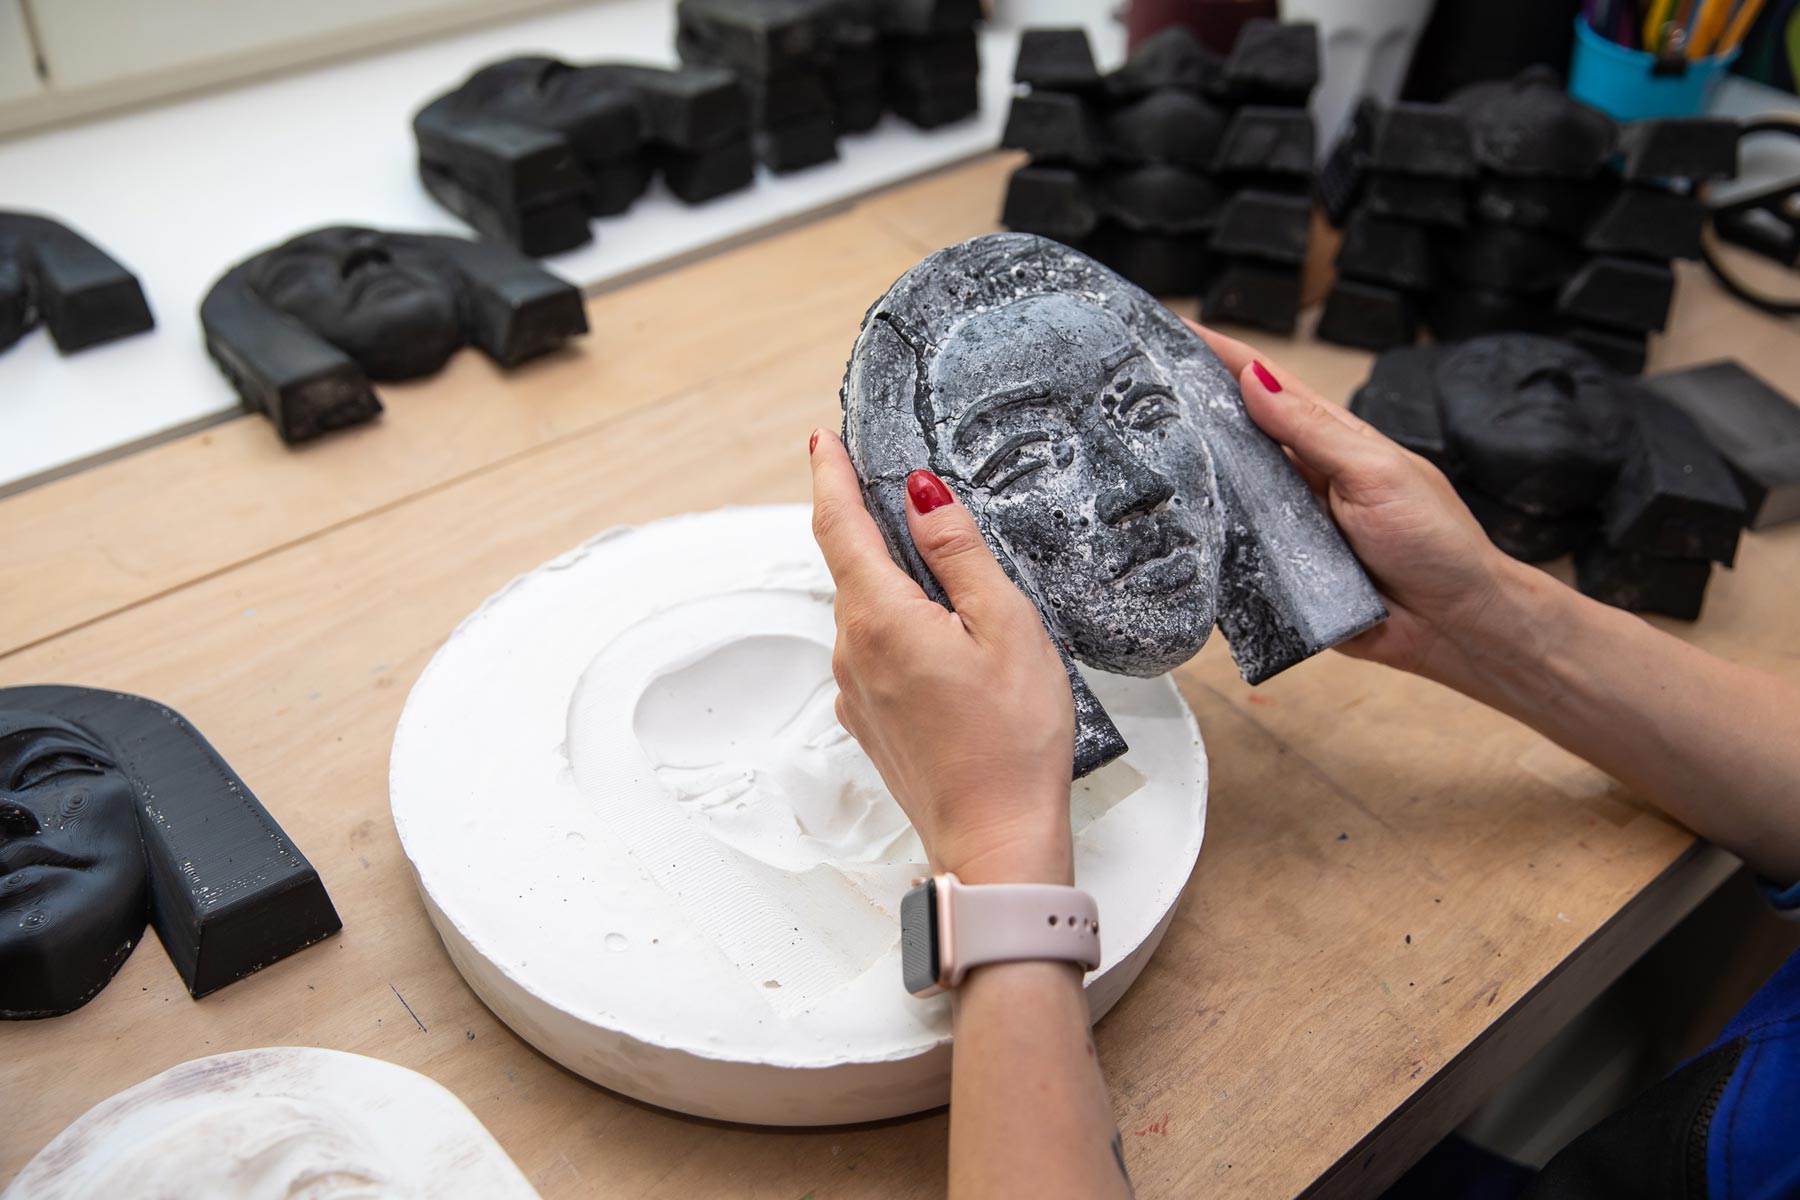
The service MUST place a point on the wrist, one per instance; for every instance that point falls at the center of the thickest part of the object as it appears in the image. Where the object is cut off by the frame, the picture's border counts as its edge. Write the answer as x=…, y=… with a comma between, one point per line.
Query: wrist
x=1026, y=857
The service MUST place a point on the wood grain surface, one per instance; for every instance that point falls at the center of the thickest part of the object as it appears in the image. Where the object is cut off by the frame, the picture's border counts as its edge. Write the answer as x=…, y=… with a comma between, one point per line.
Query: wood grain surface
x=1400, y=895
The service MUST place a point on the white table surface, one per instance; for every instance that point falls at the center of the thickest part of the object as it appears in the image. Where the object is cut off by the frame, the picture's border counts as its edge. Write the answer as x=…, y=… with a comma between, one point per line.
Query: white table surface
x=180, y=192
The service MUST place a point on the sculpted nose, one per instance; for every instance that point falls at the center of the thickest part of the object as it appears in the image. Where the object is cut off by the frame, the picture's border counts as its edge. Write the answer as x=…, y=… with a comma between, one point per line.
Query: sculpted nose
x=1137, y=489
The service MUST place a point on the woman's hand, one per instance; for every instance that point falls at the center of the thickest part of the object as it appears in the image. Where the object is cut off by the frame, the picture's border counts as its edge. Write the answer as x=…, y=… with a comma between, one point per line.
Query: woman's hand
x=966, y=714
x=1437, y=570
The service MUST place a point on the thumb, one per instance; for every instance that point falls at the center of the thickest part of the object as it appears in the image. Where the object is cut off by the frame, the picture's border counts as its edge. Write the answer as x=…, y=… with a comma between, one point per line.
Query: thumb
x=1321, y=436
x=944, y=532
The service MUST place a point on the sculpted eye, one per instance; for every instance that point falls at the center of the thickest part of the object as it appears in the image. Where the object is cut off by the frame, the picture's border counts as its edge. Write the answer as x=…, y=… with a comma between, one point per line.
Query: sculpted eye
x=1018, y=457
x=61, y=762
x=1150, y=410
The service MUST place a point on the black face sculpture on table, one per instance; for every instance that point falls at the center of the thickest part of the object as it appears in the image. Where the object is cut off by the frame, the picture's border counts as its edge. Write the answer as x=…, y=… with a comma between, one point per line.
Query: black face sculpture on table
x=527, y=149
x=51, y=274
x=1107, y=457
x=1555, y=454
x=114, y=810
x=302, y=328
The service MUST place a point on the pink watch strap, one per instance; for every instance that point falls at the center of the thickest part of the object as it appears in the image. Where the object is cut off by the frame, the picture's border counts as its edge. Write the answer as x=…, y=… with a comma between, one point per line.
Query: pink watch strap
x=1020, y=922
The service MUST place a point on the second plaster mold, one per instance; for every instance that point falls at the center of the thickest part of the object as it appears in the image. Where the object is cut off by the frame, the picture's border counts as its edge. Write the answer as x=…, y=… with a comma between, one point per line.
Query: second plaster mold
x=650, y=848
x=1108, y=459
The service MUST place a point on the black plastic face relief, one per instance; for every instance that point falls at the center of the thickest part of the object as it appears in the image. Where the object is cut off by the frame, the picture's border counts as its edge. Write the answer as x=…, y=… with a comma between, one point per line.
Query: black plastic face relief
x=114, y=810
x=1106, y=455
x=300, y=330
x=51, y=275
x=919, y=956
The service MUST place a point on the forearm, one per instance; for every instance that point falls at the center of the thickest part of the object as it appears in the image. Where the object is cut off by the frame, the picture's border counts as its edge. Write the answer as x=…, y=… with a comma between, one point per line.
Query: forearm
x=1029, y=1112
x=1713, y=744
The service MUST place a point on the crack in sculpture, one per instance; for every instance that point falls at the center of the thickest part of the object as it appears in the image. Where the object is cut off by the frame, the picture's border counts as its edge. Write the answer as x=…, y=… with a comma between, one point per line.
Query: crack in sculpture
x=1107, y=458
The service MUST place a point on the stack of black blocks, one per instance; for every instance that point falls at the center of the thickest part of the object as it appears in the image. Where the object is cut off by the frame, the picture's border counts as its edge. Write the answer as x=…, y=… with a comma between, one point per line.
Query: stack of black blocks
x=1514, y=207
x=815, y=70
x=1187, y=173
x=528, y=150
x=1647, y=484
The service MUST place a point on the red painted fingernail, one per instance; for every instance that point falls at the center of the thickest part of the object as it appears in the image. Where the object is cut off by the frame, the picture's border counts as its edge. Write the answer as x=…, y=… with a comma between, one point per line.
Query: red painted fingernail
x=1267, y=379
x=812, y=443
x=927, y=491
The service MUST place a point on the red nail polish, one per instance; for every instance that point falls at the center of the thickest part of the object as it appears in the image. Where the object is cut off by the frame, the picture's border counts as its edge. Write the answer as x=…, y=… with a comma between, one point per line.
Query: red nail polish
x=1267, y=379
x=812, y=443
x=927, y=491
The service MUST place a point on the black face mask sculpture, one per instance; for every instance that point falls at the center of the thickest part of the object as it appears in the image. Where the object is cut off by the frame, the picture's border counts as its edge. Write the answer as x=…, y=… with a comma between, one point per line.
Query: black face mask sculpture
x=301, y=329
x=1106, y=455
x=529, y=148
x=114, y=810
x=51, y=274
x=1555, y=454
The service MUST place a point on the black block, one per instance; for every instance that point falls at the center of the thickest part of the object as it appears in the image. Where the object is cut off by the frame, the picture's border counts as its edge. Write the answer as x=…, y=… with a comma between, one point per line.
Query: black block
x=1160, y=263
x=1639, y=582
x=1058, y=59
x=1454, y=313
x=1267, y=141
x=1649, y=222
x=1161, y=199
x=1416, y=198
x=926, y=16
x=1675, y=497
x=1505, y=259
x=82, y=295
x=1264, y=225
x=1562, y=206
x=858, y=112
x=692, y=108
x=1400, y=399
x=1623, y=351
x=922, y=62
x=1754, y=427
x=1621, y=293
x=1054, y=128
x=1692, y=148
x=702, y=175
x=1421, y=139
x=1053, y=202
x=614, y=187
x=1272, y=63
x=1172, y=59
x=756, y=37
x=1252, y=294
x=1378, y=250
x=1526, y=536
x=546, y=225
x=939, y=104
x=1166, y=127
x=1369, y=316
x=789, y=98
x=794, y=147
x=1341, y=175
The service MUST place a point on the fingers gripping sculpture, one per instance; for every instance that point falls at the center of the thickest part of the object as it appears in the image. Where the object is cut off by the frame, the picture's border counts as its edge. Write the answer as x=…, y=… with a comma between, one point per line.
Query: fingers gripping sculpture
x=1108, y=460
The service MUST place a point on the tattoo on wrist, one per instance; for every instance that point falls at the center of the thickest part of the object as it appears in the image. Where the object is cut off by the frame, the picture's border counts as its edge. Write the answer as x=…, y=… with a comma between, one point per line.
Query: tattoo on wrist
x=1118, y=1151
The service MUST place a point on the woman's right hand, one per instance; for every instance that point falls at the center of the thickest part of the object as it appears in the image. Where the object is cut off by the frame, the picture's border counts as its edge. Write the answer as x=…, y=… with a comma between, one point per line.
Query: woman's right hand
x=1437, y=570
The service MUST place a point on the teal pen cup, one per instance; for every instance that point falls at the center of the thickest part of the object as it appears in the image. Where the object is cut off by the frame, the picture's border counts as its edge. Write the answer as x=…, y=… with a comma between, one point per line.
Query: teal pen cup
x=1634, y=85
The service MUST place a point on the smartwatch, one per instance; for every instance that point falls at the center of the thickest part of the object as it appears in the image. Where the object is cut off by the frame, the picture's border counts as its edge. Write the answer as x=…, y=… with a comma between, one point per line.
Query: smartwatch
x=948, y=927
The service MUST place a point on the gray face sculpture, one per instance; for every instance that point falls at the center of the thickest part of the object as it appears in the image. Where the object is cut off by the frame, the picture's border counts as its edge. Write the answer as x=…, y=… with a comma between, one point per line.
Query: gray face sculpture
x=1106, y=455
x=1059, y=427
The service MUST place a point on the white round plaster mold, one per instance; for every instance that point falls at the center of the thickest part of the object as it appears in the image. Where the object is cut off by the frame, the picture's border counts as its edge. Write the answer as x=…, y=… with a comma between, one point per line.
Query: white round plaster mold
x=651, y=850
x=281, y=1122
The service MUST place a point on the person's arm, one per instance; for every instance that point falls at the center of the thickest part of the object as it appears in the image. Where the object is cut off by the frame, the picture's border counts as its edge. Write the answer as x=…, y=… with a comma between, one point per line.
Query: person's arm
x=968, y=716
x=1714, y=744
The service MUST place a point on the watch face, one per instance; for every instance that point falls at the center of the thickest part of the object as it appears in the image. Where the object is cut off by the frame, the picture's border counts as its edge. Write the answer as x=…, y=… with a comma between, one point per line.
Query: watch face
x=919, y=938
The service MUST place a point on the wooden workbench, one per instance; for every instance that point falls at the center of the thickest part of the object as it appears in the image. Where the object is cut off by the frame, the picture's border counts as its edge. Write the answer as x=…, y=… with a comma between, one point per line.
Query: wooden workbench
x=1400, y=898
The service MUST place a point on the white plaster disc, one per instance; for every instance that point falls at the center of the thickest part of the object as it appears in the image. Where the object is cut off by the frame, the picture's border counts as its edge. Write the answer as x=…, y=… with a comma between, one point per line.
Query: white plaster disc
x=287, y=1121
x=652, y=851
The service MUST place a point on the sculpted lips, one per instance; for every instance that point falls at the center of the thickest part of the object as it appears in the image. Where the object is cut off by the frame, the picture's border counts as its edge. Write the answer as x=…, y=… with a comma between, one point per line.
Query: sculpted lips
x=16, y=856
x=1162, y=547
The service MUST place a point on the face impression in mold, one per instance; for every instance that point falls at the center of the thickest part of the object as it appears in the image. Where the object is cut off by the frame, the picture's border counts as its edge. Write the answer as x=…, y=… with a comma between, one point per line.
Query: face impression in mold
x=72, y=872
x=1078, y=454
x=747, y=736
